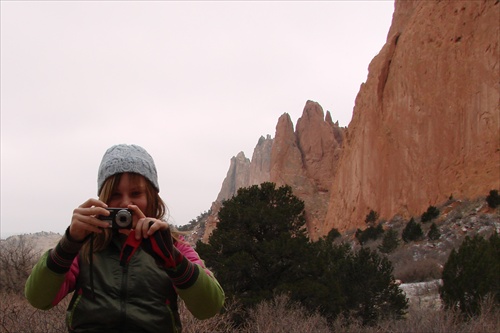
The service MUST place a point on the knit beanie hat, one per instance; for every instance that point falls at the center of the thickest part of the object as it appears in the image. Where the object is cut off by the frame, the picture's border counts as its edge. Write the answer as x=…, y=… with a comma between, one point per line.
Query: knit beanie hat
x=127, y=158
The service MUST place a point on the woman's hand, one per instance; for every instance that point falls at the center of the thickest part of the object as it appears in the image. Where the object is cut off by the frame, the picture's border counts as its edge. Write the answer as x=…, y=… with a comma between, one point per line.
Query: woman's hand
x=84, y=220
x=144, y=228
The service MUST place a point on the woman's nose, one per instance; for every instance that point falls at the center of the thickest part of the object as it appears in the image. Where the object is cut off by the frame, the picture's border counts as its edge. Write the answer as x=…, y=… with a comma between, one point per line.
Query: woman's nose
x=126, y=200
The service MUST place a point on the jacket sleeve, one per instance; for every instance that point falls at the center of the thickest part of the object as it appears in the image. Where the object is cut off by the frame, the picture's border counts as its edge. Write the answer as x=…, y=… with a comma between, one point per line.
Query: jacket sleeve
x=204, y=297
x=54, y=275
x=42, y=285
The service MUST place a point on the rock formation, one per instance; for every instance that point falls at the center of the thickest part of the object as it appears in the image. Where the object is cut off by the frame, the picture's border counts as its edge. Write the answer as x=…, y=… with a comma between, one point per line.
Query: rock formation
x=261, y=162
x=305, y=160
x=426, y=123
x=242, y=173
x=237, y=176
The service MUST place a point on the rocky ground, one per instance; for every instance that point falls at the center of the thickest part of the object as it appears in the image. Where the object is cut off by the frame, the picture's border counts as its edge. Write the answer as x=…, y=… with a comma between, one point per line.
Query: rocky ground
x=419, y=264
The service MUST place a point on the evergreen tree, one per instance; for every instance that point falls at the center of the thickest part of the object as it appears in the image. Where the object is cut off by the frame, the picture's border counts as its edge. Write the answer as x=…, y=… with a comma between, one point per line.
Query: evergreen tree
x=332, y=235
x=431, y=213
x=372, y=217
x=337, y=280
x=370, y=233
x=433, y=233
x=259, y=250
x=370, y=289
x=493, y=199
x=412, y=231
x=390, y=242
x=472, y=273
x=316, y=282
x=258, y=241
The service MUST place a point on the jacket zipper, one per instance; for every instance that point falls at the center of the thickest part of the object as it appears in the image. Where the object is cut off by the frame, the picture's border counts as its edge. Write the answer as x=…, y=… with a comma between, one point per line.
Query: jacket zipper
x=123, y=299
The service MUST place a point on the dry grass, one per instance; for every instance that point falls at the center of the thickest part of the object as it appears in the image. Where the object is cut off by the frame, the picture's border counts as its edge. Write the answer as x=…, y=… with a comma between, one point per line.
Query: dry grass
x=283, y=316
x=276, y=316
x=432, y=321
x=426, y=269
x=18, y=316
x=221, y=323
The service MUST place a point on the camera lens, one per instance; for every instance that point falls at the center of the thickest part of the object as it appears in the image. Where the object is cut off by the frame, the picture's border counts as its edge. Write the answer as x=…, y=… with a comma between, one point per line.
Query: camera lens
x=123, y=219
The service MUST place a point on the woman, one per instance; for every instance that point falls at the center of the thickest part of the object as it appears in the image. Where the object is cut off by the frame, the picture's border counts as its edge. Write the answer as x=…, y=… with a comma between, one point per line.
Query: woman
x=124, y=279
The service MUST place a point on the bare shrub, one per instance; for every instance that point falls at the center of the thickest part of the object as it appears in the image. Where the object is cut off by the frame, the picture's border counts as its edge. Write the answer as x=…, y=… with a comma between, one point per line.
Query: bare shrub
x=281, y=315
x=426, y=320
x=278, y=315
x=426, y=269
x=17, y=257
x=488, y=321
x=349, y=324
x=445, y=321
x=220, y=323
x=17, y=315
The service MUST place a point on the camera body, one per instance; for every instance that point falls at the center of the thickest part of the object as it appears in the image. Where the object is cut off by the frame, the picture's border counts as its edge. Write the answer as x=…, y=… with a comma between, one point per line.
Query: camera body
x=120, y=218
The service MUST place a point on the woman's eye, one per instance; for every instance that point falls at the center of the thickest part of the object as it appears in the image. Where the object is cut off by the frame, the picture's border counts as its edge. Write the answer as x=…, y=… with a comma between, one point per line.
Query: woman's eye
x=136, y=193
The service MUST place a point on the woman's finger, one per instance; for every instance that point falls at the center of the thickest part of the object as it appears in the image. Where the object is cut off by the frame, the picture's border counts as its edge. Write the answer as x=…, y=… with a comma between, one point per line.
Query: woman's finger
x=143, y=225
x=84, y=221
x=93, y=202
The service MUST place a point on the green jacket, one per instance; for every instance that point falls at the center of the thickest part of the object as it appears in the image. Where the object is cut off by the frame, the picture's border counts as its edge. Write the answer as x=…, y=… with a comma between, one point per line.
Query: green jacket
x=137, y=297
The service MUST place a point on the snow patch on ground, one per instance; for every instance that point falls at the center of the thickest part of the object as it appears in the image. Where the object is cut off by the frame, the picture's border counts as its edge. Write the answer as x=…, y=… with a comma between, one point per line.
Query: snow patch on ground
x=423, y=295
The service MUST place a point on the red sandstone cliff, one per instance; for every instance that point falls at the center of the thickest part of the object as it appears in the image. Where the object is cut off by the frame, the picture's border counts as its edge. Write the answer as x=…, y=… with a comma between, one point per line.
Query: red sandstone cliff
x=426, y=123
x=306, y=158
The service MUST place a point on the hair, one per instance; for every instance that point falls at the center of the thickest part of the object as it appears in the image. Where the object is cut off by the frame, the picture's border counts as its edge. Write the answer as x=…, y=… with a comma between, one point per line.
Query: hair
x=156, y=208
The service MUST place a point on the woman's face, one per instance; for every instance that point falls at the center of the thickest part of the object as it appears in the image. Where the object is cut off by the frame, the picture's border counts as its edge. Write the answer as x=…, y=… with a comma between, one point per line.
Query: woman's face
x=129, y=192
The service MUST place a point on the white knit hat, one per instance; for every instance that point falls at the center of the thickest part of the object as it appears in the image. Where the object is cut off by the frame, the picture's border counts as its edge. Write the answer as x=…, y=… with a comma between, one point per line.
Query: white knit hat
x=127, y=158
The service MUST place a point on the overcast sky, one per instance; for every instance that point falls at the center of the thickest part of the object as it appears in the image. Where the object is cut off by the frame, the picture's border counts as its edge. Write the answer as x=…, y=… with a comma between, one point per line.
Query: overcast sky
x=194, y=83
